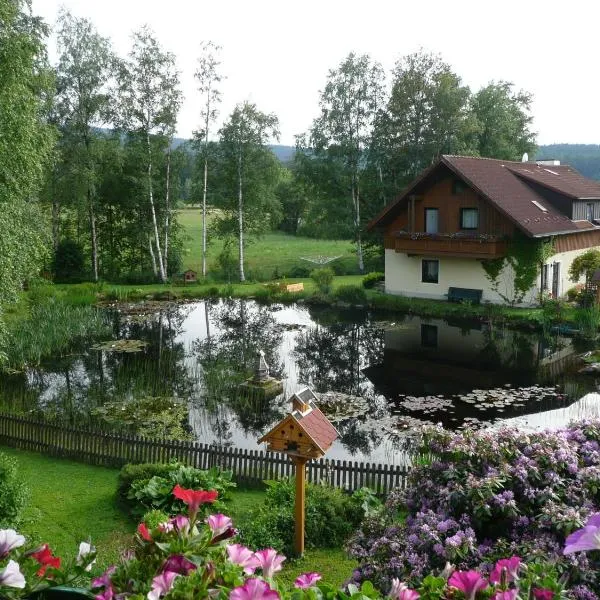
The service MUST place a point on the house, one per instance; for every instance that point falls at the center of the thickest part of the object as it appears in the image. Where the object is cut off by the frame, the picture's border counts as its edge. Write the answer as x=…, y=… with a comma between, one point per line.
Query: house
x=478, y=225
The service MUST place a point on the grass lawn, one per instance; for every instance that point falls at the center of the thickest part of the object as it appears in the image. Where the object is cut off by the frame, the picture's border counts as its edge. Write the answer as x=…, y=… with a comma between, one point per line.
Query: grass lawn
x=72, y=502
x=275, y=251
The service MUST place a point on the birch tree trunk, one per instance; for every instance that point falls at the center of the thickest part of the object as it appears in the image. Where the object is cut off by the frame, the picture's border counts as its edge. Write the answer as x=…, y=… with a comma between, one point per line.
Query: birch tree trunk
x=153, y=257
x=356, y=201
x=94, y=236
x=168, y=212
x=204, y=215
x=161, y=268
x=241, y=216
x=55, y=221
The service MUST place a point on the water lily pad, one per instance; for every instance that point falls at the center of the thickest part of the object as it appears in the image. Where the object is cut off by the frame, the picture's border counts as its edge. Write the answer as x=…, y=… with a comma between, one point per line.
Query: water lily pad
x=121, y=346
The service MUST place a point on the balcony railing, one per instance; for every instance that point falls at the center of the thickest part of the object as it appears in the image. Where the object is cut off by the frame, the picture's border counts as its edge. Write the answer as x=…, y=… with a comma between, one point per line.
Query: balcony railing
x=468, y=245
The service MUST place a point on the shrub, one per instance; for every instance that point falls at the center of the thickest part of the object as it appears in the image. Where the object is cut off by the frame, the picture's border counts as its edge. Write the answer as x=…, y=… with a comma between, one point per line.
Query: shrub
x=13, y=492
x=155, y=492
x=572, y=294
x=299, y=271
x=323, y=279
x=483, y=495
x=371, y=279
x=353, y=294
x=331, y=515
x=131, y=473
x=68, y=264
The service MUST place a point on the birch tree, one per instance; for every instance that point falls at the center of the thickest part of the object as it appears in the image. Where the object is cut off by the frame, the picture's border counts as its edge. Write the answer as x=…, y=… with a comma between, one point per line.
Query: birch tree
x=84, y=71
x=150, y=99
x=209, y=77
x=349, y=103
x=248, y=169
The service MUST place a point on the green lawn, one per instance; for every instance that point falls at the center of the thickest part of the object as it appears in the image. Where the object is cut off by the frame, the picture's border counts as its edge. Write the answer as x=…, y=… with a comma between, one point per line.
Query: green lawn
x=71, y=502
x=274, y=253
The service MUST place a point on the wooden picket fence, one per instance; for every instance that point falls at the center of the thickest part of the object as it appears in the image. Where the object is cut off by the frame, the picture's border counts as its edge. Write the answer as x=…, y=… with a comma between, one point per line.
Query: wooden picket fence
x=249, y=467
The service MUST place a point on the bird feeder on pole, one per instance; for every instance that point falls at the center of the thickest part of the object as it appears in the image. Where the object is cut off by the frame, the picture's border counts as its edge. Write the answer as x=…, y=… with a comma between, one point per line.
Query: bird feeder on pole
x=304, y=434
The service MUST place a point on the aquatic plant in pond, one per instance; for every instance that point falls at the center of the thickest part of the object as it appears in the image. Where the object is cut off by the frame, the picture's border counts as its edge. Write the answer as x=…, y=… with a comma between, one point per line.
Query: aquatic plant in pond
x=483, y=494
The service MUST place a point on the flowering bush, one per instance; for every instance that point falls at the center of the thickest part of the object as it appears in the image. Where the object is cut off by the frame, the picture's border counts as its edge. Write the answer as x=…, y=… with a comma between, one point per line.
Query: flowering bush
x=485, y=495
x=26, y=571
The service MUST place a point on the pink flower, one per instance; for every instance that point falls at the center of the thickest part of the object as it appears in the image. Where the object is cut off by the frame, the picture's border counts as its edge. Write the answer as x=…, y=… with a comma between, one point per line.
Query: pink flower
x=11, y=576
x=306, y=580
x=587, y=538
x=181, y=523
x=9, y=540
x=221, y=527
x=104, y=579
x=244, y=557
x=107, y=594
x=194, y=498
x=468, y=582
x=269, y=561
x=507, y=567
x=161, y=585
x=179, y=564
x=505, y=595
x=400, y=591
x=254, y=589
x=543, y=594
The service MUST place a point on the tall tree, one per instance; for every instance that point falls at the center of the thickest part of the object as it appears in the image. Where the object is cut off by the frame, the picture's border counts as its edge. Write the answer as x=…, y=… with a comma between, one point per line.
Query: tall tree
x=249, y=170
x=427, y=115
x=26, y=143
x=84, y=72
x=150, y=102
x=208, y=76
x=504, y=120
x=349, y=103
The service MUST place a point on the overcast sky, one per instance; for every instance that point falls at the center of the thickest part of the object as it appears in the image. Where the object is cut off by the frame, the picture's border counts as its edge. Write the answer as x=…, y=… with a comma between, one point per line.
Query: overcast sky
x=277, y=53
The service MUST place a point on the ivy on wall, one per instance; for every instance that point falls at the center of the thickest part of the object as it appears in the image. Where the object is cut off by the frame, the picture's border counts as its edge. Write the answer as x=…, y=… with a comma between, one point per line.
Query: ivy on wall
x=524, y=255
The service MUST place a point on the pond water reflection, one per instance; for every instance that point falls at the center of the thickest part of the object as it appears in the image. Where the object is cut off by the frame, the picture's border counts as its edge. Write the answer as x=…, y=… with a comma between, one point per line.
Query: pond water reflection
x=411, y=368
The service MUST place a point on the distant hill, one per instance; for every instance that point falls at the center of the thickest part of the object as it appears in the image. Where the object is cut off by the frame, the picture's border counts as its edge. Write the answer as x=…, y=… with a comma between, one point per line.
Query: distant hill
x=583, y=157
x=283, y=153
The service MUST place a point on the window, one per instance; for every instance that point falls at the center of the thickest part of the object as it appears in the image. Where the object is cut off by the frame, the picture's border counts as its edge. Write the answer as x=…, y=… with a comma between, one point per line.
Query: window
x=469, y=218
x=430, y=271
x=458, y=187
x=590, y=211
x=429, y=336
x=431, y=220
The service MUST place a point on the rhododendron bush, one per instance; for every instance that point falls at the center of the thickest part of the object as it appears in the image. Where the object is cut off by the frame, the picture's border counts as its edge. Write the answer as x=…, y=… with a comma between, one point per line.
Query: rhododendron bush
x=482, y=496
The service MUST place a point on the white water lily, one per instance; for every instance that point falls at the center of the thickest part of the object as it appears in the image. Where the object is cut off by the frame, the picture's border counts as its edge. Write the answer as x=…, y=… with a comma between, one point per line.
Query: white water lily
x=9, y=540
x=85, y=549
x=11, y=576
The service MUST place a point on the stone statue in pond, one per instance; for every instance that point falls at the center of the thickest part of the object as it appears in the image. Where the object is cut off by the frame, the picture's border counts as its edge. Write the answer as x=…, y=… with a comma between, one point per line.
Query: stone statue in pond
x=261, y=372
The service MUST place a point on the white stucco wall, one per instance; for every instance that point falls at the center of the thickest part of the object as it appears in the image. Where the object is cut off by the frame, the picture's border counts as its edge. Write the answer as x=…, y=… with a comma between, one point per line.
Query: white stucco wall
x=403, y=277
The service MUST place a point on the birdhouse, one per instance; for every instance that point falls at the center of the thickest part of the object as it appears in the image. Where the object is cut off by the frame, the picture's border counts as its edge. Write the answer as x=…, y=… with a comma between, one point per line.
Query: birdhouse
x=190, y=276
x=305, y=432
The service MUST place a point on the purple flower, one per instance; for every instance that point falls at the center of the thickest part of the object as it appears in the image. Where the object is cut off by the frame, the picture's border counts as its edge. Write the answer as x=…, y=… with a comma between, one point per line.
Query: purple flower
x=468, y=582
x=244, y=557
x=269, y=561
x=254, y=589
x=219, y=524
x=104, y=579
x=9, y=540
x=400, y=591
x=179, y=564
x=587, y=538
x=306, y=580
x=505, y=595
x=161, y=585
x=11, y=576
x=543, y=594
x=507, y=568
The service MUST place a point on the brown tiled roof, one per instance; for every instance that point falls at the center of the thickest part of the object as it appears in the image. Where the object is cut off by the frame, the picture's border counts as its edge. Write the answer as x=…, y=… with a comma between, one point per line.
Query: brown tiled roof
x=504, y=184
x=317, y=426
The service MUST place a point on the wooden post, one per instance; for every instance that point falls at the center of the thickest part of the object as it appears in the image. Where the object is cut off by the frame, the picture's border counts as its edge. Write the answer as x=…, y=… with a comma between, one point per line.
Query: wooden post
x=300, y=514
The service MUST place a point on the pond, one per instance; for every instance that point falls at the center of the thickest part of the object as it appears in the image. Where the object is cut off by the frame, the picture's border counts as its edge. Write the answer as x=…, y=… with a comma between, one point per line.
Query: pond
x=180, y=372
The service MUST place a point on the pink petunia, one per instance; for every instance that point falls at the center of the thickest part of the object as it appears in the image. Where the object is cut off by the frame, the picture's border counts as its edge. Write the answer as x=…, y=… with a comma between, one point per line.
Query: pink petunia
x=254, y=589
x=179, y=564
x=586, y=538
x=104, y=579
x=505, y=595
x=468, y=582
x=306, y=580
x=507, y=566
x=221, y=527
x=9, y=540
x=161, y=585
x=11, y=576
x=269, y=561
x=400, y=591
x=244, y=557
x=543, y=594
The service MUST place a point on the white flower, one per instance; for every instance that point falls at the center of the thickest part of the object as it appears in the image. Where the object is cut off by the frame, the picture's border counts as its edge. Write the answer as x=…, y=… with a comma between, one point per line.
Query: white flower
x=11, y=576
x=9, y=540
x=84, y=550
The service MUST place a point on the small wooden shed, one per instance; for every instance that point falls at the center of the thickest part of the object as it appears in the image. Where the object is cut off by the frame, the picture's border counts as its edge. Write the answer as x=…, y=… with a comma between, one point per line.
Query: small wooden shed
x=190, y=276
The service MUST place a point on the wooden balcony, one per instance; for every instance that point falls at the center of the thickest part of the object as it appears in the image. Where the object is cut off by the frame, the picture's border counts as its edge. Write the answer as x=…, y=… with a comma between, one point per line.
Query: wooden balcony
x=451, y=244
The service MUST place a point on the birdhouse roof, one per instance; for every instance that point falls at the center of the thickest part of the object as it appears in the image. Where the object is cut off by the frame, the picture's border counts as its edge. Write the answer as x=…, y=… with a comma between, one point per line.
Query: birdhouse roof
x=315, y=425
x=189, y=271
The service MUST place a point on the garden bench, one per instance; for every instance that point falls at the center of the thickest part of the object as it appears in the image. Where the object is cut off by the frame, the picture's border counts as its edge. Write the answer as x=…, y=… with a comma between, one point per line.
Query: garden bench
x=456, y=294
